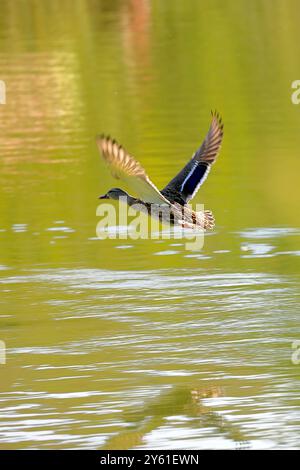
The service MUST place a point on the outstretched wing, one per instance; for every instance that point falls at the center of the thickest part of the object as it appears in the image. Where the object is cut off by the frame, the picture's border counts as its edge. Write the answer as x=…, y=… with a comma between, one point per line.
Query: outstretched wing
x=185, y=185
x=124, y=167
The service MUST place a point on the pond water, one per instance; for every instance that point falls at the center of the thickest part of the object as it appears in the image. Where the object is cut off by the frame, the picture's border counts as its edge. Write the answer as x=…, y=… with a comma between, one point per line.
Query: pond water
x=135, y=344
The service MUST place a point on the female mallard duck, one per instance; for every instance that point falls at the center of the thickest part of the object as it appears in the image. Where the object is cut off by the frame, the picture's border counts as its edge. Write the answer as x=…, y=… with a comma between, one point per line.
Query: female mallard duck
x=173, y=199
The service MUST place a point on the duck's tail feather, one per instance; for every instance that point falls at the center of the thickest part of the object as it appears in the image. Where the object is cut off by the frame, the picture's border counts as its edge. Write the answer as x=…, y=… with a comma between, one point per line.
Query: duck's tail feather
x=209, y=220
x=203, y=219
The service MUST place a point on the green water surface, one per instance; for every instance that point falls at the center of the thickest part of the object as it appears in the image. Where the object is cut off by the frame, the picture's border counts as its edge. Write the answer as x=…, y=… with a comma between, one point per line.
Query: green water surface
x=130, y=344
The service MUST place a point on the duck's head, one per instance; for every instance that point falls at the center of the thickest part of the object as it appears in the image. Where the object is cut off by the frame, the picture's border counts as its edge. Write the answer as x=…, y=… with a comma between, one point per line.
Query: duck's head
x=114, y=193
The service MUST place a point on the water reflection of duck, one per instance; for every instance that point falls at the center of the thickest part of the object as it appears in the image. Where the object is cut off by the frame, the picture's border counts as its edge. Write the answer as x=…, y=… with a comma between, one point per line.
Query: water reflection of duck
x=171, y=204
x=179, y=401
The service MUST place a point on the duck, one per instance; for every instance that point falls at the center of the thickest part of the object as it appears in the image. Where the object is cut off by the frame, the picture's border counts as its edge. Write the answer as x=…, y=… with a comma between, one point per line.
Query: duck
x=171, y=204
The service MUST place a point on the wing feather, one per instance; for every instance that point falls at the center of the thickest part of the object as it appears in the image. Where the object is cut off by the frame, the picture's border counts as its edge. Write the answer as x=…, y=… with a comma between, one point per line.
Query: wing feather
x=124, y=167
x=186, y=183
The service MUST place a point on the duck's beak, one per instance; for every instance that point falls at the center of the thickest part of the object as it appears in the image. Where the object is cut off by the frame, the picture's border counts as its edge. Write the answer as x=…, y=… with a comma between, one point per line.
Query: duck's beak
x=105, y=196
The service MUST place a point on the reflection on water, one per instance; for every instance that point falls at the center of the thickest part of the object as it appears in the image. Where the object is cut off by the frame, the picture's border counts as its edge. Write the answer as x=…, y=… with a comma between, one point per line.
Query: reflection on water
x=124, y=343
x=175, y=408
x=134, y=359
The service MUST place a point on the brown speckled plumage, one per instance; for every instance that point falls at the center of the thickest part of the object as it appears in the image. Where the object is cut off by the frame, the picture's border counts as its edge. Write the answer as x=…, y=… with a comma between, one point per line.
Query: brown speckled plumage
x=179, y=191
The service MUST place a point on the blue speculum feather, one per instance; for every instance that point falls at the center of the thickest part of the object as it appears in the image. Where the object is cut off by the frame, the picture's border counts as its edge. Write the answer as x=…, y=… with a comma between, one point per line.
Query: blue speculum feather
x=193, y=179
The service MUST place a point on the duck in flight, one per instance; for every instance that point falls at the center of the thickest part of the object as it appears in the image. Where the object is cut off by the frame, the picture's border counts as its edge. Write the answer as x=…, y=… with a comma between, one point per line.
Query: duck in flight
x=176, y=195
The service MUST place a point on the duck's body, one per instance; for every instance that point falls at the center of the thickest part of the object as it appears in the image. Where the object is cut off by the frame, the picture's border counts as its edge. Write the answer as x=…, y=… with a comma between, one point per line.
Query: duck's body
x=170, y=204
x=173, y=214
